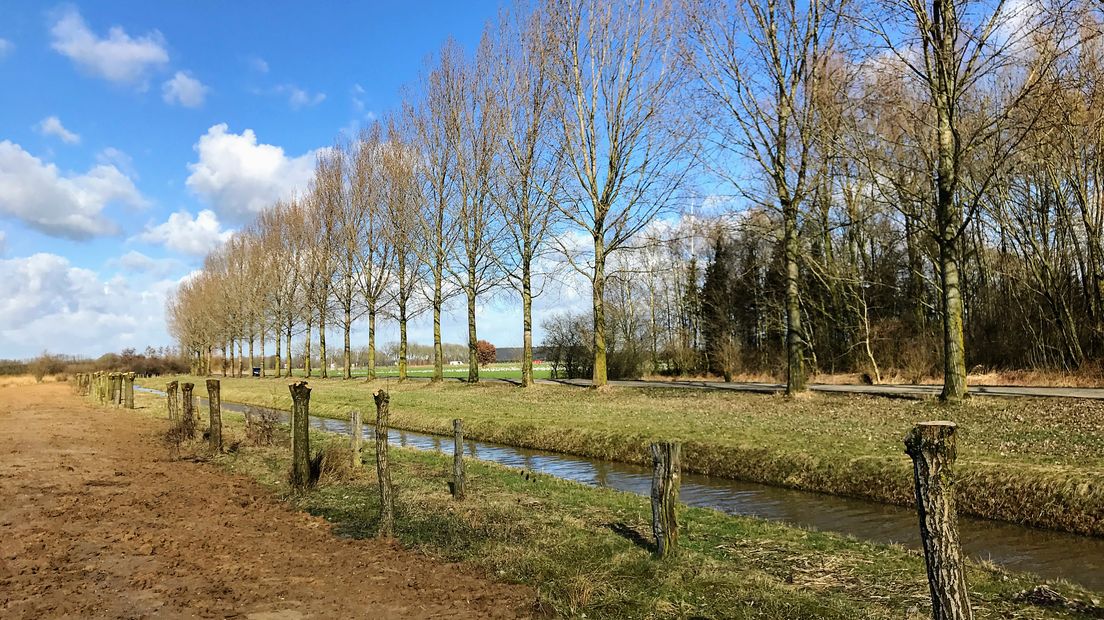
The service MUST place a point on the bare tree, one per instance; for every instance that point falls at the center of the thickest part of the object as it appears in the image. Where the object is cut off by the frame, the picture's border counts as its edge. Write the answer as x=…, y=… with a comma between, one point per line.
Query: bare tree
x=622, y=133
x=368, y=183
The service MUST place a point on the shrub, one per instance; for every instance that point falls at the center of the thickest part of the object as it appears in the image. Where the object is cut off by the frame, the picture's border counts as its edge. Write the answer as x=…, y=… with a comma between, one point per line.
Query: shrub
x=485, y=352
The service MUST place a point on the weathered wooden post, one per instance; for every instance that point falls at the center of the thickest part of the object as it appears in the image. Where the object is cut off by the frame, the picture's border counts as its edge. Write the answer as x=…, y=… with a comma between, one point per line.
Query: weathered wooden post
x=118, y=401
x=300, y=434
x=128, y=390
x=187, y=418
x=383, y=468
x=356, y=434
x=171, y=399
x=214, y=403
x=666, y=478
x=932, y=448
x=458, y=487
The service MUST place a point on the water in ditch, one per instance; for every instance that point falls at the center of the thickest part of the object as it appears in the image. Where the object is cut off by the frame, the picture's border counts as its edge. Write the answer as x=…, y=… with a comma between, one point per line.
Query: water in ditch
x=1052, y=555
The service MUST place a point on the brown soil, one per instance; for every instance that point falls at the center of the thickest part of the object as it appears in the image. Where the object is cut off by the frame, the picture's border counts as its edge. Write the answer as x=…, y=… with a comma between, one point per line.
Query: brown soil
x=95, y=521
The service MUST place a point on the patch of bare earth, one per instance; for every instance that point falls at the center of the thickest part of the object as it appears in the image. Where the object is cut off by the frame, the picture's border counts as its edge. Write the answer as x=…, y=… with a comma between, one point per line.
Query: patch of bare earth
x=95, y=521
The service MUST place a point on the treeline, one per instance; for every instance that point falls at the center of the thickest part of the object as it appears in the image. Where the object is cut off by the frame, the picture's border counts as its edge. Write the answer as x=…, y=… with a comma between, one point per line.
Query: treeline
x=880, y=184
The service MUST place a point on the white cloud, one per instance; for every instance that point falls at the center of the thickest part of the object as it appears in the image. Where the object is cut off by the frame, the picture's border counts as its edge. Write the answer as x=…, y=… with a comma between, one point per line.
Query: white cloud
x=112, y=156
x=136, y=262
x=185, y=90
x=186, y=234
x=3, y=242
x=57, y=204
x=118, y=57
x=6, y=47
x=258, y=64
x=47, y=303
x=239, y=177
x=51, y=126
x=299, y=98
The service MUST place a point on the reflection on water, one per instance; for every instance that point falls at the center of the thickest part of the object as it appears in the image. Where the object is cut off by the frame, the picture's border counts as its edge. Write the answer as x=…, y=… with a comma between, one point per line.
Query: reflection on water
x=1053, y=555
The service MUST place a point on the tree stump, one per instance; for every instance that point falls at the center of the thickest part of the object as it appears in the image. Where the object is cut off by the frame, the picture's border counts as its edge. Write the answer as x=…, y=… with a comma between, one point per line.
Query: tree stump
x=932, y=448
x=356, y=434
x=171, y=400
x=214, y=405
x=666, y=479
x=383, y=468
x=300, y=434
x=187, y=418
x=128, y=390
x=458, y=483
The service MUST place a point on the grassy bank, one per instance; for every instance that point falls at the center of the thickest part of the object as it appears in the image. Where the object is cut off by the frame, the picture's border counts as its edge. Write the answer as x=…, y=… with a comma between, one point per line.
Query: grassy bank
x=1032, y=461
x=585, y=551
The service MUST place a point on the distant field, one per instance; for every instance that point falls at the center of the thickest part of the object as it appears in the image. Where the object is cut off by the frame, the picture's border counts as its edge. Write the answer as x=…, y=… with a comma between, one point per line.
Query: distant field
x=1034, y=461
x=505, y=370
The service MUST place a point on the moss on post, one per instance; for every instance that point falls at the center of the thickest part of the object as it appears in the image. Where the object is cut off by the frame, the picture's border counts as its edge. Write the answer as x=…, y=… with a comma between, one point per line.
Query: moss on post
x=666, y=479
x=300, y=477
x=383, y=467
x=214, y=405
x=932, y=448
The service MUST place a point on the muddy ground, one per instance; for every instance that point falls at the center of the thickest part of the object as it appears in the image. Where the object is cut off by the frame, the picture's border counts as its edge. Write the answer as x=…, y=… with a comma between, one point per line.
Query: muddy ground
x=96, y=521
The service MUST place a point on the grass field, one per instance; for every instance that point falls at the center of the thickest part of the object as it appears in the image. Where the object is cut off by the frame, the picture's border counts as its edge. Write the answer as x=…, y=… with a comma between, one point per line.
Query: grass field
x=1032, y=461
x=503, y=370
x=586, y=550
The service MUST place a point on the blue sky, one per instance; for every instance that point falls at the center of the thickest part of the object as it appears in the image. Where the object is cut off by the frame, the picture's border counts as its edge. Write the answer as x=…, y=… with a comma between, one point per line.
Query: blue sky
x=122, y=121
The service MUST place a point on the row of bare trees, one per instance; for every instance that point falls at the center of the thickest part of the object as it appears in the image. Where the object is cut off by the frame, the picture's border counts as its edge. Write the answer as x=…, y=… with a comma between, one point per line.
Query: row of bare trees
x=900, y=162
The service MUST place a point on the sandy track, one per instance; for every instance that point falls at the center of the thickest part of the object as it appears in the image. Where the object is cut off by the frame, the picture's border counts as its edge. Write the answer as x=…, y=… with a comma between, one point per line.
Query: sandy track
x=96, y=522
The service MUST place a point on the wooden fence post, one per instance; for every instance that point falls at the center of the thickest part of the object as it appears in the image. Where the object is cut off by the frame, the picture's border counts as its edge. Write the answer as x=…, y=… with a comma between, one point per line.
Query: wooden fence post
x=118, y=389
x=932, y=448
x=356, y=434
x=171, y=399
x=300, y=434
x=214, y=405
x=128, y=390
x=458, y=484
x=383, y=468
x=187, y=418
x=666, y=478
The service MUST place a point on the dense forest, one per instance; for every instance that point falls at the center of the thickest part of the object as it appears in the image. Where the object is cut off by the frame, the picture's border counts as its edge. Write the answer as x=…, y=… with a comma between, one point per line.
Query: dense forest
x=744, y=186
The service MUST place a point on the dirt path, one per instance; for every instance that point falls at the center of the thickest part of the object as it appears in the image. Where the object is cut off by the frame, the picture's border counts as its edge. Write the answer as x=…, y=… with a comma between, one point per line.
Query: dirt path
x=95, y=522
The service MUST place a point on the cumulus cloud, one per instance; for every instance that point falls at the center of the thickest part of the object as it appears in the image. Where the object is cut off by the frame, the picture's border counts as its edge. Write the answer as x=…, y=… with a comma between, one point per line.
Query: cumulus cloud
x=6, y=47
x=185, y=90
x=62, y=205
x=136, y=262
x=47, y=303
x=51, y=126
x=186, y=234
x=3, y=242
x=117, y=57
x=240, y=177
x=112, y=156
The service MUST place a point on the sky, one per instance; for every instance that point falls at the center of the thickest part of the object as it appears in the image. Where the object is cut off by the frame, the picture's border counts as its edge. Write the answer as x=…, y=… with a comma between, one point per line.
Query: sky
x=136, y=135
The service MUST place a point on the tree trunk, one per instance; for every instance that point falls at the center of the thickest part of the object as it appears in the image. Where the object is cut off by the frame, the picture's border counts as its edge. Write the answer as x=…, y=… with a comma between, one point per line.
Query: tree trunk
x=372, y=343
x=347, y=346
x=300, y=434
x=473, y=349
x=214, y=405
x=322, y=361
x=307, y=370
x=402, y=342
x=438, y=350
x=932, y=448
x=666, y=478
x=383, y=467
x=795, y=349
x=262, y=343
x=287, y=370
x=599, y=285
x=252, y=360
x=526, y=324
x=238, y=369
x=459, y=488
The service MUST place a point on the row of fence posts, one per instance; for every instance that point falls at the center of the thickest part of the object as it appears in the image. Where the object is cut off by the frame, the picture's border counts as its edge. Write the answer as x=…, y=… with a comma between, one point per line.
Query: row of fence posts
x=931, y=445
x=114, y=388
x=186, y=421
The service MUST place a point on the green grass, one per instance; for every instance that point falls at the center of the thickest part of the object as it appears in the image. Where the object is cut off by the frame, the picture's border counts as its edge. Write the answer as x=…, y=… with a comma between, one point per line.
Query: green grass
x=1032, y=461
x=501, y=370
x=580, y=548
